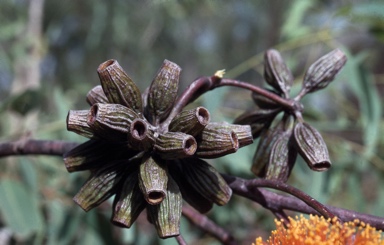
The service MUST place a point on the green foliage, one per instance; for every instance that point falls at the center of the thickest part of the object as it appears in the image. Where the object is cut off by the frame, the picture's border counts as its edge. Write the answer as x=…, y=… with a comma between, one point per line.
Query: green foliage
x=202, y=37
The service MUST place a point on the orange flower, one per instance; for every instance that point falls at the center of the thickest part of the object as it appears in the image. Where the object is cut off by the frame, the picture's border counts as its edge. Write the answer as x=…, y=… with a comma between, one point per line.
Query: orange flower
x=320, y=231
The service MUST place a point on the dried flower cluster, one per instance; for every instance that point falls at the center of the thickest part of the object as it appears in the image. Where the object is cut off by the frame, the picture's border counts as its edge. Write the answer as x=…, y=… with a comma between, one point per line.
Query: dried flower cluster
x=145, y=157
x=280, y=142
x=319, y=231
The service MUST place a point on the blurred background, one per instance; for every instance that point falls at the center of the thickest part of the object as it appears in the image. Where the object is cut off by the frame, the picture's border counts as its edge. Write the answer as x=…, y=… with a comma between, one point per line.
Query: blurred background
x=49, y=53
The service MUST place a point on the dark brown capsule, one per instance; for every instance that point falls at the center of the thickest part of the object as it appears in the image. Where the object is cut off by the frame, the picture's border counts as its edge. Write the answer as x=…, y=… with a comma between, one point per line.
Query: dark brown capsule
x=206, y=180
x=190, y=195
x=118, y=86
x=129, y=202
x=311, y=146
x=99, y=187
x=276, y=72
x=323, y=71
x=264, y=148
x=282, y=158
x=93, y=154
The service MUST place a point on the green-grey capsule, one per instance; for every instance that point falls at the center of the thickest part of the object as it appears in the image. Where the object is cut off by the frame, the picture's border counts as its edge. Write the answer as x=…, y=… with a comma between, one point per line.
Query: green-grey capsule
x=166, y=215
x=99, y=187
x=311, y=146
x=174, y=145
x=243, y=132
x=129, y=202
x=77, y=122
x=323, y=71
x=190, y=121
x=153, y=179
x=162, y=92
x=276, y=72
x=96, y=95
x=118, y=86
x=111, y=120
x=214, y=143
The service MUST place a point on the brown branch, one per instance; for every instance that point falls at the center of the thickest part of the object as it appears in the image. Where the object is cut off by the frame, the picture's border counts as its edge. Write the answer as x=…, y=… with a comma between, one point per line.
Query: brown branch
x=35, y=147
x=245, y=188
x=276, y=202
x=208, y=225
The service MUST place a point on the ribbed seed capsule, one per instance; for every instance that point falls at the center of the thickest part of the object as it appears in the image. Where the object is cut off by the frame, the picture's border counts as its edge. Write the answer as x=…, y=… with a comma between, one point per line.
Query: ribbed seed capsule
x=259, y=119
x=93, y=154
x=190, y=121
x=206, y=180
x=190, y=195
x=111, y=121
x=276, y=72
x=153, y=180
x=166, y=215
x=96, y=95
x=282, y=158
x=213, y=143
x=118, y=86
x=174, y=145
x=264, y=102
x=323, y=71
x=243, y=132
x=311, y=146
x=263, y=151
x=129, y=202
x=99, y=187
x=77, y=122
x=140, y=136
x=162, y=92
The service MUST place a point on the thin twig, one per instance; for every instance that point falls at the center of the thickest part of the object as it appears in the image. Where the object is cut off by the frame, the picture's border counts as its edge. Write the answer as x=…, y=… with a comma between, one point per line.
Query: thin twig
x=278, y=185
x=180, y=240
x=274, y=201
x=208, y=225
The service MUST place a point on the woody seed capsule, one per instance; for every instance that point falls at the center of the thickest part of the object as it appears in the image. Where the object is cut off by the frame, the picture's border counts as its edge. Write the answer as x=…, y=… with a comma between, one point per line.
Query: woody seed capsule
x=128, y=203
x=311, y=146
x=173, y=145
x=276, y=72
x=190, y=121
x=118, y=86
x=153, y=180
x=77, y=122
x=96, y=95
x=323, y=71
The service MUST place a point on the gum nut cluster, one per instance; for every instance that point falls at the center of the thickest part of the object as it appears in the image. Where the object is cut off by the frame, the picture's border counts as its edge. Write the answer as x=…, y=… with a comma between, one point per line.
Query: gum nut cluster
x=281, y=142
x=144, y=156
